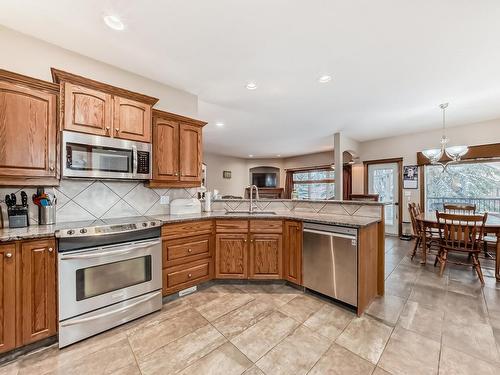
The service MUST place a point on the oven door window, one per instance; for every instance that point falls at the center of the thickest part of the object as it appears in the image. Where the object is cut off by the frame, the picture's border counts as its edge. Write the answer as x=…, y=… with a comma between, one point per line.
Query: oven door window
x=109, y=277
x=98, y=158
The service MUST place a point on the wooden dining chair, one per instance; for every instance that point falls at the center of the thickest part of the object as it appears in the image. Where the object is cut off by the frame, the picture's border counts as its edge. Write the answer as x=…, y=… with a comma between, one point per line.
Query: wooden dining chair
x=461, y=233
x=460, y=209
x=430, y=237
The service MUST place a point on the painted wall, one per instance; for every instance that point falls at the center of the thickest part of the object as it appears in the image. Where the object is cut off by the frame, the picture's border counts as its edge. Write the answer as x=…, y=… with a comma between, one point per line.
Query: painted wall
x=33, y=57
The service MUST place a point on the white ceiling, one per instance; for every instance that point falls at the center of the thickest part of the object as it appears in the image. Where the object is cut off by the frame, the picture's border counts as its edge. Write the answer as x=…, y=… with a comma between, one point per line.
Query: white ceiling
x=392, y=62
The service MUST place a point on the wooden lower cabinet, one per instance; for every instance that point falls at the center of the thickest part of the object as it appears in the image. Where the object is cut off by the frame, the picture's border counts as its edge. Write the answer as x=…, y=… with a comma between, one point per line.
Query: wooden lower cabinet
x=293, y=251
x=265, y=256
x=38, y=290
x=7, y=297
x=186, y=275
x=231, y=254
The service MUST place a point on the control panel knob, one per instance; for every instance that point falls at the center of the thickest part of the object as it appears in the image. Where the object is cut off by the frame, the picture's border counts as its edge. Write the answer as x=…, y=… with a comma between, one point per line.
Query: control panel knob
x=153, y=223
x=83, y=231
x=70, y=232
x=144, y=224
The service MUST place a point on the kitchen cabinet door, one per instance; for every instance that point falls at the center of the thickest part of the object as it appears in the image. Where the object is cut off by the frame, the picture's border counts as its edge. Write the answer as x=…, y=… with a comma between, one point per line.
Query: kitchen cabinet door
x=7, y=297
x=38, y=290
x=28, y=127
x=165, y=150
x=190, y=153
x=265, y=256
x=231, y=256
x=131, y=120
x=293, y=252
x=87, y=110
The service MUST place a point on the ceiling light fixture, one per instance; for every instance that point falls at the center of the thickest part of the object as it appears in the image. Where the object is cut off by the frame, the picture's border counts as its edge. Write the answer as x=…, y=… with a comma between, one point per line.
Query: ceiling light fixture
x=455, y=153
x=219, y=124
x=325, y=79
x=251, y=85
x=278, y=156
x=250, y=156
x=114, y=22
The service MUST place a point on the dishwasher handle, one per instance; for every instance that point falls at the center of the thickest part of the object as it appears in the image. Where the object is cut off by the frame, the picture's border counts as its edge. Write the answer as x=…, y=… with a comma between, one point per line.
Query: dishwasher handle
x=331, y=234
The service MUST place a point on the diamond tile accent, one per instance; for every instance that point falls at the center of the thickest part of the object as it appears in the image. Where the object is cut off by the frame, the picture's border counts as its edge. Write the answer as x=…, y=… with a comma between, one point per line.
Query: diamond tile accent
x=121, y=188
x=351, y=208
x=97, y=198
x=71, y=188
x=73, y=212
x=121, y=209
x=142, y=198
x=159, y=209
x=333, y=208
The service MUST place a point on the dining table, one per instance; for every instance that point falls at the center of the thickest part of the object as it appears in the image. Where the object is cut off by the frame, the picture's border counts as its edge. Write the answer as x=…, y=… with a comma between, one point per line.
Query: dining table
x=428, y=220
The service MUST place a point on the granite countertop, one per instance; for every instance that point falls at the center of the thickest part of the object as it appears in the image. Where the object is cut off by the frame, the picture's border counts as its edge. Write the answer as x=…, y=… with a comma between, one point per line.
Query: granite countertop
x=41, y=231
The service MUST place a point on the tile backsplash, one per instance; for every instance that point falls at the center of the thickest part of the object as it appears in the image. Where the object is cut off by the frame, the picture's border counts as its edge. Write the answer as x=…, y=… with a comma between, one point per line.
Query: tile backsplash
x=79, y=200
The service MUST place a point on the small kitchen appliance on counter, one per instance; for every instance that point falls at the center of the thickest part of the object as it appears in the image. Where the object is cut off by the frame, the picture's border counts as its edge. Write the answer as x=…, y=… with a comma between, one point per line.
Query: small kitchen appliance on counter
x=17, y=213
x=185, y=206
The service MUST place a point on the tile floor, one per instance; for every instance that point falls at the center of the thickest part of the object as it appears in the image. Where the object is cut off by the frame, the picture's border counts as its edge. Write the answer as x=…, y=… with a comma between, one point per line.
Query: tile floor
x=423, y=325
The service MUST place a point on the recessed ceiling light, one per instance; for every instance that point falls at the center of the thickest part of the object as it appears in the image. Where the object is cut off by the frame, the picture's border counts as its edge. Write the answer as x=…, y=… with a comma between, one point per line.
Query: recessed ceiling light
x=324, y=79
x=114, y=22
x=219, y=124
x=250, y=156
x=251, y=85
x=279, y=156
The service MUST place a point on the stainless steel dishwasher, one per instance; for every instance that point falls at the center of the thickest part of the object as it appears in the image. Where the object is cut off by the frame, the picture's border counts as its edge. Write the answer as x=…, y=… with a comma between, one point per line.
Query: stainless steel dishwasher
x=330, y=261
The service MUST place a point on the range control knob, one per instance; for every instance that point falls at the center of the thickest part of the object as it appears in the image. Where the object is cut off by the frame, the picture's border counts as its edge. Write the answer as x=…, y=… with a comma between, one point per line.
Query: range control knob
x=70, y=232
x=83, y=231
x=144, y=224
x=153, y=223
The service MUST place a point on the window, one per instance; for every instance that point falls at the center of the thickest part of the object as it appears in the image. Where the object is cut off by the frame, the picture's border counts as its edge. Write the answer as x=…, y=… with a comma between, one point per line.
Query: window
x=469, y=183
x=314, y=184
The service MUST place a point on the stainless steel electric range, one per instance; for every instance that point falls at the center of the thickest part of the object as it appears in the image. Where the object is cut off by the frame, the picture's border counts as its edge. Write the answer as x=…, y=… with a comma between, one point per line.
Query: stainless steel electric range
x=109, y=274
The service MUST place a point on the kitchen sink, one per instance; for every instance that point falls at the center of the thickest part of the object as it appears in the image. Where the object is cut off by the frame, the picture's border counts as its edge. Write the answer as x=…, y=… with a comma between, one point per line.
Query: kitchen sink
x=256, y=213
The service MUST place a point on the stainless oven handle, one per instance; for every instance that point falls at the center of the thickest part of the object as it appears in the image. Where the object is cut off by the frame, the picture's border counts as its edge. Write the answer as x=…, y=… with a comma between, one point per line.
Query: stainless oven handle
x=330, y=234
x=107, y=253
x=134, y=162
x=99, y=316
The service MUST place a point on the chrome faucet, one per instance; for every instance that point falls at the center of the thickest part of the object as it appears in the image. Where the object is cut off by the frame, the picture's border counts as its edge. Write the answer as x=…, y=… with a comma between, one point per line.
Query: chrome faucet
x=251, y=187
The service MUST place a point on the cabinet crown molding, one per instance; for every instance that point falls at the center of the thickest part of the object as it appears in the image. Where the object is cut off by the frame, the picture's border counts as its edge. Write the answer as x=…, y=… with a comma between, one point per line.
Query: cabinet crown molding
x=36, y=83
x=175, y=117
x=59, y=76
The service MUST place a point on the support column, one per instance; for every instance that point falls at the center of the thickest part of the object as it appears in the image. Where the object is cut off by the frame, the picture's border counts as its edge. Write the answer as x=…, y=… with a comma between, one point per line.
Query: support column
x=339, y=163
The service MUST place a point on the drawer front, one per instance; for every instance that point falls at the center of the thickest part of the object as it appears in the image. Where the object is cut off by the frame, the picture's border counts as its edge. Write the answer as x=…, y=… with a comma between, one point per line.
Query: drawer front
x=232, y=226
x=189, y=228
x=178, y=278
x=266, y=226
x=176, y=252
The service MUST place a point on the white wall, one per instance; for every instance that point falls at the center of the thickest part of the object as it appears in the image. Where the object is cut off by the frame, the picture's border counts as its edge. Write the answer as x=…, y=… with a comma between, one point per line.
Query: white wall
x=33, y=57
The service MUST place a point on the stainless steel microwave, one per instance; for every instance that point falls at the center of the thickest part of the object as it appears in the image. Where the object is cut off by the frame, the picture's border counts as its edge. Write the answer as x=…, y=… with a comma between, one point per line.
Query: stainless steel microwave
x=92, y=156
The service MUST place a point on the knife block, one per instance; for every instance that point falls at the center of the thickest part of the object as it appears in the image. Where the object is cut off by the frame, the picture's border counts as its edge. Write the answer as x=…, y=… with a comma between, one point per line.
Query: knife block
x=18, y=216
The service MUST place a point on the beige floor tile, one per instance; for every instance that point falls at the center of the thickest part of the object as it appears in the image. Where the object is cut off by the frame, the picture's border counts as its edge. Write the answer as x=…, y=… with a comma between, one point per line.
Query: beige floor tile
x=426, y=322
x=409, y=353
x=454, y=362
x=386, y=308
x=264, y=335
x=365, y=337
x=254, y=370
x=223, y=305
x=232, y=324
x=474, y=338
x=329, y=321
x=205, y=295
x=182, y=352
x=302, y=307
x=132, y=369
x=10, y=369
x=225, y=360
x=340, y=361
x=470, y=287
x=429, y=277
x=429, y=297
x=380, y=371
x=156, y=334
x=465, y=308
x=296, y=354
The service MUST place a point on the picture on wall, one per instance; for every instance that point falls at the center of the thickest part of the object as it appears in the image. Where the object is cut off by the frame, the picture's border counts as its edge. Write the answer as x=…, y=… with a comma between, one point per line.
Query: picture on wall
x=410, y=177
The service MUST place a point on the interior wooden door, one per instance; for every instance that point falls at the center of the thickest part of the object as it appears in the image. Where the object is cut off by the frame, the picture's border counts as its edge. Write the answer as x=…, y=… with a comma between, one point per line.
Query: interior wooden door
x=293, y=251
x=7, y=297
x=190, y=153
x=231, y=256
x=38, y=290
x=87, y=110
x=131, y=120
x=165, y=150
x=265, y=256
x=28, y=127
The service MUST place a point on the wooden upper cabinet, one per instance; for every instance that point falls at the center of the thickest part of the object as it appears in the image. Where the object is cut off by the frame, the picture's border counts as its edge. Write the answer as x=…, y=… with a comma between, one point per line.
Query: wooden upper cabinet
x=177, y=150
x=38, y=290
x=231, y=254
x=293, y=251
x=7, y=297
x=190, y=152
x=97, y=108
x=265, y=256
x=165, y=150
x=87, y=110
x=28, y=130
x=132, y=120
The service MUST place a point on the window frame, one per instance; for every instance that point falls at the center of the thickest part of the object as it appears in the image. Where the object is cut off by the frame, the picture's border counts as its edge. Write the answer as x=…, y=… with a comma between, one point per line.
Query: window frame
x=310, y=182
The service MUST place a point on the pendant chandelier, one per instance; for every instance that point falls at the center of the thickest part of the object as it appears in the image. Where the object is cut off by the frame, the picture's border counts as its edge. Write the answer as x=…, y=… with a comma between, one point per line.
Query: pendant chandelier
x=455, y=153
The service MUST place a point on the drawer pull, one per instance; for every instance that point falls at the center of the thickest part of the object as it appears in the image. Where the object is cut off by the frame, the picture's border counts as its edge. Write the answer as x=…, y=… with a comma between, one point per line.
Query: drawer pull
x=190, y=250
x=189, y=275
x=8, y=255
x=50, y=249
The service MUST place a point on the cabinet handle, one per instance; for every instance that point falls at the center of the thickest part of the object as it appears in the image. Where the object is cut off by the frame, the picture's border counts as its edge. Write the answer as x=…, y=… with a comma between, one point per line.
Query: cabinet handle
x=190, y=250
x=189, y=275
x=245, y=240
x=8, y=255
x=117, y=130
x=50, y=249
x=51, y=168
x=176, y=174
x=107, y=129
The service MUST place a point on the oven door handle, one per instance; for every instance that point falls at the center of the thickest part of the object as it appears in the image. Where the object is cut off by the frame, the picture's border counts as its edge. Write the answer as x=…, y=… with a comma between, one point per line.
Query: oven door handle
x=108, y=313
x=107, y=253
